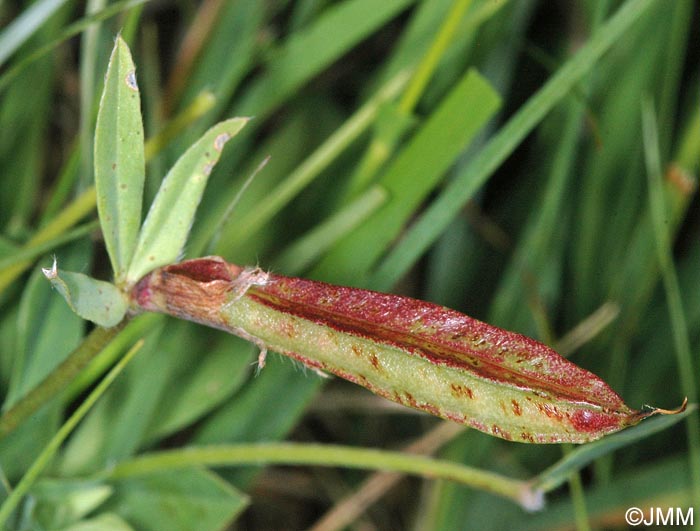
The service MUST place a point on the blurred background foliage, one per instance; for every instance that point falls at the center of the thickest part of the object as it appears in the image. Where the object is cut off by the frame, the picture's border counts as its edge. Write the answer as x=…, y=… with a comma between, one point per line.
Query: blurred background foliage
x=462, y=152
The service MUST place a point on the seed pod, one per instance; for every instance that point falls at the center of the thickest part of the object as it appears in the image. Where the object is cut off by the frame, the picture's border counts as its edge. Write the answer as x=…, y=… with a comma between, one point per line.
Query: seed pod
x=412, y=352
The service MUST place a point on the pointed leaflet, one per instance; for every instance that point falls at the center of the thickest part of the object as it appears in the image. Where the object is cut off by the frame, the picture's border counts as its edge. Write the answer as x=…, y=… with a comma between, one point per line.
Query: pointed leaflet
x=168, y=223
x=94, y=300
x=413, y=352
x=119, y=159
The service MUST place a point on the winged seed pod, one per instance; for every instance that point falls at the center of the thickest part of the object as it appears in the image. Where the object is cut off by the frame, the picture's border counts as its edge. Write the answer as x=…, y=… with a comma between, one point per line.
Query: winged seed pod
x=412, y=352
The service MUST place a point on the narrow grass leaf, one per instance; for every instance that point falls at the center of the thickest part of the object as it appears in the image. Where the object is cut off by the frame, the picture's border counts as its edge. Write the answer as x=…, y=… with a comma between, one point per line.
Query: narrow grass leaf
x=168, y=223
x=102, y=522
x=95, y=300
x=24, y=26
x=416, y=353
x=679, y=324
x=72, y=214
x=307, y=52
x=120, y=167
x=559, y=473
x=61, y=502
x=47, y=330
x=663, y=483
x=75, y=28
x=302, y=253
x=443, y=210
x=52, y=447
x=414, y=174
x=320, y=159
x=31, y=252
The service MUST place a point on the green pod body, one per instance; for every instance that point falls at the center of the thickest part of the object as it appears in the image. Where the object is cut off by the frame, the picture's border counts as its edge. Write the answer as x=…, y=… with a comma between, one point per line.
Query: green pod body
x=412, y=352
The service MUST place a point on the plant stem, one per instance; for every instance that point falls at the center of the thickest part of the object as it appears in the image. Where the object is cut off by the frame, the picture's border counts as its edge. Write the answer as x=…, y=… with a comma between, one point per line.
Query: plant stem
x=429, y=63
x=330, y=455
x=578, y=498
x=58, y=379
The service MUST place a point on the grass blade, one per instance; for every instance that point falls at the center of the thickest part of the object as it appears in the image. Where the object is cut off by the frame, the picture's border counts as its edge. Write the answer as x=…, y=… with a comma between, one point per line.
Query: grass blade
x=301, y=254
x=50, y=450
x=559, y=473
x=414, y=173
x=679, y=326
x=444, y=209
x=17, y=33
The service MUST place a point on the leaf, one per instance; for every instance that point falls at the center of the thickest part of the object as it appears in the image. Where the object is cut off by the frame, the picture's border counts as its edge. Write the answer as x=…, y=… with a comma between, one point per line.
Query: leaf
x=41, y=462
x=306, y=53
x=119, y=159
x=14, y=35
x=94, y=300
x=560, y=472
x=413, y=174
x=168, y=223
x=302, y=253
x=103, y=522
x=63, y=502
x=47, y=332
x=464, y=186
x=416, y=353
x=185, y=499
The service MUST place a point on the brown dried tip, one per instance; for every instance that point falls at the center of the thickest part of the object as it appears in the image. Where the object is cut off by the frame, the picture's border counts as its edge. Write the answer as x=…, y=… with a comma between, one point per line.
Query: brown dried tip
x=660, y=411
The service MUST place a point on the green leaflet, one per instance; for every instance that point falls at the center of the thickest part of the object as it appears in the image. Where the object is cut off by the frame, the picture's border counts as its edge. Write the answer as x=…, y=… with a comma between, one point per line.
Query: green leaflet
x=61, y=503
x=169, y=220
x=94, y=300
x=119, y=159
x=192, y=498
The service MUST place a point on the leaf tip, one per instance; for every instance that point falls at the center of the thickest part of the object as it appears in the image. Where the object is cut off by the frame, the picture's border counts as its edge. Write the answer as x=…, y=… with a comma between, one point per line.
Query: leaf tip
x=51, y=272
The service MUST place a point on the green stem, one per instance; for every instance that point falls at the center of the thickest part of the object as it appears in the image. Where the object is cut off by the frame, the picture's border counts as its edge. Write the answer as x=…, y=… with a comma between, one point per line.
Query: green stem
x=329, y=455
x=58, y=379
x=578, y=498
x=54, y=444
x=427, y=66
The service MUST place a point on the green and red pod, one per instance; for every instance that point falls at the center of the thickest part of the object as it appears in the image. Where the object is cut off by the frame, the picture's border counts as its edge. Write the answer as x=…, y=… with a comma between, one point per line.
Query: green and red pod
x=413, y=352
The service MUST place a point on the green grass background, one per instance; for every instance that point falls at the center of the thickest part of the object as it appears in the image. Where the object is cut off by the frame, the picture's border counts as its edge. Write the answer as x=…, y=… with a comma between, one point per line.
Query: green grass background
x=490, y=159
